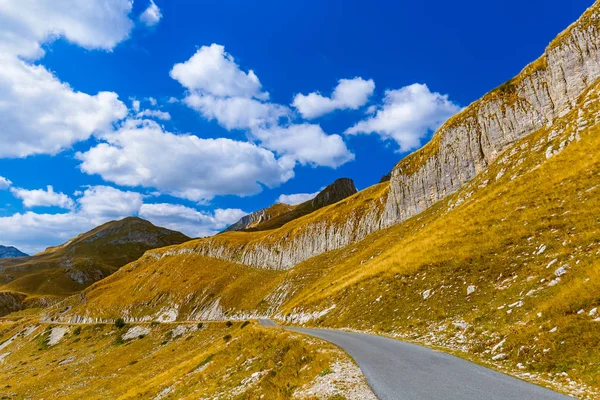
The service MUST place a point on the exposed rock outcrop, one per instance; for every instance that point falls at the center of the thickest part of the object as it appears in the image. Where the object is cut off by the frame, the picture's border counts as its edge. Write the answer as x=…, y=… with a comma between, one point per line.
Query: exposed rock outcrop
x=463, y=147
x=470, y=141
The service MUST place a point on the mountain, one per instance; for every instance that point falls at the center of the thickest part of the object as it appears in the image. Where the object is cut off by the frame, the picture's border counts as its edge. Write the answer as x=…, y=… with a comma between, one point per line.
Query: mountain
x=279, y=214
x=11, y=252
x=484, y=243
x=67, y=269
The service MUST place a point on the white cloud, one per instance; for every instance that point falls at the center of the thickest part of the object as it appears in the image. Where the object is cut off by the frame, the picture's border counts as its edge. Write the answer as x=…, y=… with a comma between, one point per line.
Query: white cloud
x=407, y=115
x=297, y=198
x=43, y=198
x=189, y=220
x=236, y=112
x=38, y=113
x=135, y=104
x=103, y=203
x=152, y=15
x=165, y=116
x=91, y=24
x=41, y=115
x=306, y=144
x=32, y=232
x=142, y=154
x=152, y=101
x=219, y=89
x=213, y=71
x=349, y=94
x=4, y=183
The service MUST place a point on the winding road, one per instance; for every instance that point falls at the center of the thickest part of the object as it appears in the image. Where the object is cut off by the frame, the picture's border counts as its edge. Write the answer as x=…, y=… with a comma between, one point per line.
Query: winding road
x=398, y=370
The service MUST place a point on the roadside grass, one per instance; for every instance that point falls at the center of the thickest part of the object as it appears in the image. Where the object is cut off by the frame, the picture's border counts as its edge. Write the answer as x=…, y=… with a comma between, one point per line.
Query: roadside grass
x=198, y=364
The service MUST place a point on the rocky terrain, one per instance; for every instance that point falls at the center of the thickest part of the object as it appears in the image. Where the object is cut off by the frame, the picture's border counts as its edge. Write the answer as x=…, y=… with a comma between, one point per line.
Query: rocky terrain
x=11, y=252
x=279, y=214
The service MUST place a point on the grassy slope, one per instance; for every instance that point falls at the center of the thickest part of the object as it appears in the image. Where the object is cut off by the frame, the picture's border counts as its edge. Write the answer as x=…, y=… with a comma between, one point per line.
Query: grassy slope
x=251, y=363
x=492, y=241
x=95, y=254
x=488, y=235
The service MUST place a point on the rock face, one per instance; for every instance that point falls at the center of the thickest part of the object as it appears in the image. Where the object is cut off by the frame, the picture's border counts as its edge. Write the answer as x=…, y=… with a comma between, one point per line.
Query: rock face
x=337, y=191
x=258, y=217
x=470, y=141
x=463, y=147
x=11, y=252
x=279, y=214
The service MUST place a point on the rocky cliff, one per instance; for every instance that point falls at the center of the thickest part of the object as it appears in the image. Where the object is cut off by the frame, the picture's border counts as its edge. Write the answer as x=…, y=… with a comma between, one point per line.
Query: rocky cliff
x=279, y=214
x=463, y=147
x=470, y=141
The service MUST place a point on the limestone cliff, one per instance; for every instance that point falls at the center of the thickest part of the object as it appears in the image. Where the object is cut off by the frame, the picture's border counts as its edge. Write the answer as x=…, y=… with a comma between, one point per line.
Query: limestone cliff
x=470, y=141
x=463, y=147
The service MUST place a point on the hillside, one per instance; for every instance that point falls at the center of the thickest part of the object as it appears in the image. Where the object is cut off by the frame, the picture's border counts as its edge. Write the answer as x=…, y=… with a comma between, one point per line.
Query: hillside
x=11, y=252
x=69, y=268
x=172, y=361
x=485, y=243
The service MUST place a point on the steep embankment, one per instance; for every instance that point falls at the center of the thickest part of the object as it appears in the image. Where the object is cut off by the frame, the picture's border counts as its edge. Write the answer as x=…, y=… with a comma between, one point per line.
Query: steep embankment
x=63, y=270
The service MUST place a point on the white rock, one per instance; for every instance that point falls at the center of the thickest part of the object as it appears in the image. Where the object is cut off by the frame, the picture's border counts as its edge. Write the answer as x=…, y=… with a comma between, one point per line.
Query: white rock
x=135, y=332
x=553, y=329
x=541, y=249
x=551, y=263
x=56, y=335
x=471, y=289
x=561, y=271
x=427, y=294
x=499, y=357
x=593, y=312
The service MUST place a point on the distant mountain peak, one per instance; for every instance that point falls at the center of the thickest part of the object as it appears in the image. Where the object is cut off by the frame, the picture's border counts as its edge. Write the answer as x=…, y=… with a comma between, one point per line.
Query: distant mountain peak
x=279, y=214
x=11, y=252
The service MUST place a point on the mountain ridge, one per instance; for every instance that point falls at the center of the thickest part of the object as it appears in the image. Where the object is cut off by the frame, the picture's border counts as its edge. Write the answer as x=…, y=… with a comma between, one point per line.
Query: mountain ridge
x=66, y=269
x=11, y=252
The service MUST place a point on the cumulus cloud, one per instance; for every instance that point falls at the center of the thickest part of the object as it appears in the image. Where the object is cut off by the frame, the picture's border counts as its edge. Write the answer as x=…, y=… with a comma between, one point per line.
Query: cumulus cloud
x=103, y=203
x=152, y=15
x=165, y=116
x=213, y=71
x=38, y=113
x=43, y=198
x=236, y=112
x=306, y=144
x=41, y=115
x=407, y=115
x=220, y=90
x=142, y=154
x=94, y=24
x=189, y=220
x=296, y=198
x=349, y=94
x=4, y=183
x=32, y=232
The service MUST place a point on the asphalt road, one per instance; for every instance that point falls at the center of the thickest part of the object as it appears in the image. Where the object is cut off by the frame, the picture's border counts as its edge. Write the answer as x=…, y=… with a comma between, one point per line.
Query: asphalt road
x=398, y=370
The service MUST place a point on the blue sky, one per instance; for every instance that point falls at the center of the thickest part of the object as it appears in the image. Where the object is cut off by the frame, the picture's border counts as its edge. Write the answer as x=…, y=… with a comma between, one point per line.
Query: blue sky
x=191, y=113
